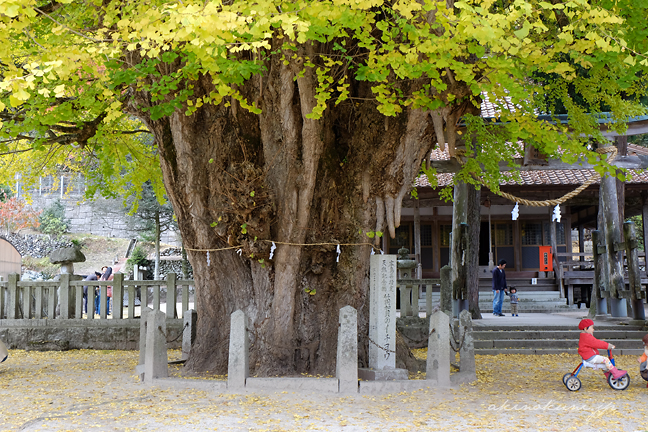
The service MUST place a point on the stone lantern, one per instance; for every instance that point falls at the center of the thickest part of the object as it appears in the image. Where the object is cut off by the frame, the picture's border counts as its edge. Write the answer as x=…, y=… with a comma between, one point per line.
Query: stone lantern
x=66, y=257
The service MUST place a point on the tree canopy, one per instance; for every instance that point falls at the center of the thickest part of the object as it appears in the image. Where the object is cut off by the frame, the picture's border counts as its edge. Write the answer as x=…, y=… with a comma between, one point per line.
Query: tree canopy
x=68, y=69
x=303, y=123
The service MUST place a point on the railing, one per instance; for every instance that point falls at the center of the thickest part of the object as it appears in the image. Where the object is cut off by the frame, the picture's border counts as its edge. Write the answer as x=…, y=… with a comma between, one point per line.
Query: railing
x=409, y=295
x=63, y=299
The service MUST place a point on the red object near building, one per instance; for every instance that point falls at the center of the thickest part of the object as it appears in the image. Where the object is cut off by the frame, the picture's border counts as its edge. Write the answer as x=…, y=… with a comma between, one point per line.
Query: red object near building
x=546, y=263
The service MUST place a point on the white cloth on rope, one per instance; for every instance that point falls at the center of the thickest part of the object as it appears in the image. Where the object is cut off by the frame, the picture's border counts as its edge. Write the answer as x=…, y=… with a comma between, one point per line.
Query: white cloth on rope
x=516, y=211
x=556, y=213
x=339, y=251
x=208, y=260
x=272, y=249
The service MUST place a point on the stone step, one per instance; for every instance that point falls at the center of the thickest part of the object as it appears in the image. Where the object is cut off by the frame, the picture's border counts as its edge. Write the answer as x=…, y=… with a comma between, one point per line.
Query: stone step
x=534, y=351
x=524, y=296
x=551, y=343
x=562, y=334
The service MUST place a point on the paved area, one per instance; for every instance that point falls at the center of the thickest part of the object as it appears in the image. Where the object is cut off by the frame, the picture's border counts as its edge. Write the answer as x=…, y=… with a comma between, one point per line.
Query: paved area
x=98, y=391
x=567, y=319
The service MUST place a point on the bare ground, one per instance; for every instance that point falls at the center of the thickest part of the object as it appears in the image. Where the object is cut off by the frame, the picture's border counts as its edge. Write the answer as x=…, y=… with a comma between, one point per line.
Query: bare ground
x=98, y=391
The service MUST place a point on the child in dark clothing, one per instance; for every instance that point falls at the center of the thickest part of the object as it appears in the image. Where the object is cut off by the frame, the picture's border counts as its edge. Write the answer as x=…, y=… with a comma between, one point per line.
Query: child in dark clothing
x=588, y=347
x=514, y=301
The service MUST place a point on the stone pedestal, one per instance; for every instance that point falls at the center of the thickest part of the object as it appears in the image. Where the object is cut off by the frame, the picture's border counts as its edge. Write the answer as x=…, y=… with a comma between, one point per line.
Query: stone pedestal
x=438, y=356
x=238, y=365
x=346, y=367
x=188, y=332
x=155, y=358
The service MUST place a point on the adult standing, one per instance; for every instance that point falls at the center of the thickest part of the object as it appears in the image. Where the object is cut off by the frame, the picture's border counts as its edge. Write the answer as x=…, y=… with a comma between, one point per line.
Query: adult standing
x=107, y=273
x=499, y=285
x=91, y=277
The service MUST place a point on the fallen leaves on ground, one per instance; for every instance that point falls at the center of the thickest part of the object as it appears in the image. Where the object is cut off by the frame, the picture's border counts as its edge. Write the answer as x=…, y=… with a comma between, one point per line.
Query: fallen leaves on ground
x=91, y=390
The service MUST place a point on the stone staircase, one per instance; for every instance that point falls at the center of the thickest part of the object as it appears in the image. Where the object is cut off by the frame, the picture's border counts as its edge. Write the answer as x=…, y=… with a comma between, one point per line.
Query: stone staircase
x=529, y=302
x=553, y=339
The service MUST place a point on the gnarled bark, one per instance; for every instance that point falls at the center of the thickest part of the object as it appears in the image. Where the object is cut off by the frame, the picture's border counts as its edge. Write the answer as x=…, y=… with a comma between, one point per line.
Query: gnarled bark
x=242, y=180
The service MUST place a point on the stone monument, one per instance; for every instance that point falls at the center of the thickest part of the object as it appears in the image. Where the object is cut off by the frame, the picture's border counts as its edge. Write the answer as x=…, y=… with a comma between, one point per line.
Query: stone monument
x=382, y=321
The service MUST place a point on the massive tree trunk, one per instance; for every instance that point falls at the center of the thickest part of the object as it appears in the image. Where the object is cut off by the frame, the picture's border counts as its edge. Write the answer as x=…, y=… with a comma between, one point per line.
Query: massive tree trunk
x=239, y=180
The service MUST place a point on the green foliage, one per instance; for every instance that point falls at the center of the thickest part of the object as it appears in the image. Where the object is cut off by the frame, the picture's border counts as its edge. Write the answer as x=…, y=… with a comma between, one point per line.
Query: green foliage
x=53, y=221
x=148, y=208
x=638, y=221
x=138, y=256
x=70, y=77
x=5, y=193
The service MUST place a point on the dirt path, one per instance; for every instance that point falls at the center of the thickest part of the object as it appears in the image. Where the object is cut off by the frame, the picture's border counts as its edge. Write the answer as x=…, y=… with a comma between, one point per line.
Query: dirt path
x=98, y=391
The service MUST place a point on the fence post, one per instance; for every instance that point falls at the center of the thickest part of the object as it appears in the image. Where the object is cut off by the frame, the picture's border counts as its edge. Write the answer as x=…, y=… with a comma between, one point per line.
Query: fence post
x=64, y=293
x=156, y=297
x=91, y=301
x=131, y=301
x=118, y=296
x=171, y=296
x=26, y=301
x=38, y=306
x=51, y=302
x=12, y=290
x=103, y=296
x=78, y=302
x=185, y=299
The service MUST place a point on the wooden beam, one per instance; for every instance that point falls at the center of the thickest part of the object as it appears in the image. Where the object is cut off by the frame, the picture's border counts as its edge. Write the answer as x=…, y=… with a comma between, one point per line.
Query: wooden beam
x=634, y=162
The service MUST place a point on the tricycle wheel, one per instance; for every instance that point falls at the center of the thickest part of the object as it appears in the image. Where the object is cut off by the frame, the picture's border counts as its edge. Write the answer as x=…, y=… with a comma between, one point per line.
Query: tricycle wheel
x=567, y=375
x=619, y=384
x=573, y=383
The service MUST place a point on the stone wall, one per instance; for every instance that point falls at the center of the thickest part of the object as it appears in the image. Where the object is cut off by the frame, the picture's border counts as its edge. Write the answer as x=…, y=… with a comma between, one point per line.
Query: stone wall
x=80, y=334
x=102, y=217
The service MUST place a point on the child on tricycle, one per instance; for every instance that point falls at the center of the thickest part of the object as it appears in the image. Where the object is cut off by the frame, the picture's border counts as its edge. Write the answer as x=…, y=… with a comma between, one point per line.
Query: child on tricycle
x=588, y=347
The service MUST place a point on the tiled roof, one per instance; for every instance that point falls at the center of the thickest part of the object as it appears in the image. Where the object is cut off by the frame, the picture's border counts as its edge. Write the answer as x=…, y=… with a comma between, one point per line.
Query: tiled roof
x=541, y=177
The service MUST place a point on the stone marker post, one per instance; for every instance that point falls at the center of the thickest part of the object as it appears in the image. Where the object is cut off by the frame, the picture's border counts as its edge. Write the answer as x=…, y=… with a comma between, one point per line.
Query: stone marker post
x=142, y=339
x=382, y=312
x=155, y=358
x=438, y=356
x=346, y=367
x=188, y=332
x=467, y=352
x=445, y=295
x=238, y=368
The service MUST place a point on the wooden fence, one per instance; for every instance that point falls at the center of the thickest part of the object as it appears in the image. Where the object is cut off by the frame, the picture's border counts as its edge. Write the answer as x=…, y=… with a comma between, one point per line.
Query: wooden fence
x=63, y=299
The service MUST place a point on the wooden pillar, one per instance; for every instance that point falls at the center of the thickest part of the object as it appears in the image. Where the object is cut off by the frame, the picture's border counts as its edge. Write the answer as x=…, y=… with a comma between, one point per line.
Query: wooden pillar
x=644, y=220
x=556, y=263
x=417, y=240
x=457, y=250
x=436, y=254
x=568, y=230
x=599, y=305
x=634, y=276
x=610, y=210
x=517, y=246
x=581, y=241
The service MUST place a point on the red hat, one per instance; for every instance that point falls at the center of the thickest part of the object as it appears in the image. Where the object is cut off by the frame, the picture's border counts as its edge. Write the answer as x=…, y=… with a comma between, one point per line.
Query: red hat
x=585, y=323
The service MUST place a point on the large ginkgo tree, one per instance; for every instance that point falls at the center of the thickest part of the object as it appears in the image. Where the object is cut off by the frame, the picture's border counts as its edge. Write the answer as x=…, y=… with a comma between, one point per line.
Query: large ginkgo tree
x=284, y=128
